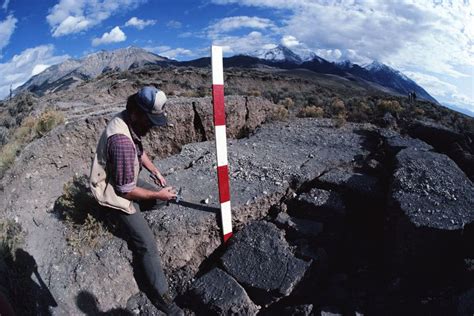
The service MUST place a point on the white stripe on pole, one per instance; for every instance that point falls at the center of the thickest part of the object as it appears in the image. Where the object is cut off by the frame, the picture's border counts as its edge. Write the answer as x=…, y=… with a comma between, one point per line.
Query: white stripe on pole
x=226, y=217
x=217, y=67
x=221, y=145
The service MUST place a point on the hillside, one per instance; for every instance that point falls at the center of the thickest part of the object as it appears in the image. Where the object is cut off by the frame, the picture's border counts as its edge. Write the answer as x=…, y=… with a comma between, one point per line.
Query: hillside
x=361, y=197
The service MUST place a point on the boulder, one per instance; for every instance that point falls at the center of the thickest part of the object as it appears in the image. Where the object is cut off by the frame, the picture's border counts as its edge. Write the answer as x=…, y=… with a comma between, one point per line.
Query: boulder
x=217, y=293
x=260, y=259
x=430, y=204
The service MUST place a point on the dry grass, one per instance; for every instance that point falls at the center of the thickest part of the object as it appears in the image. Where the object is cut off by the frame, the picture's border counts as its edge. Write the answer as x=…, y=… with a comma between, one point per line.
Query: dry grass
x=30, y=129
x=340, y=120
x=47, y=121
x=391, y=106
x=311, y=111
x=11, y=238
x=288, y=103
x=280, y=113
x=78, y=209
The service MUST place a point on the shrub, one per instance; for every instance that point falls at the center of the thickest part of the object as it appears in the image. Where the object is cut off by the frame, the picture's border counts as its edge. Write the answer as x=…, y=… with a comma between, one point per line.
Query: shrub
x=7, y=155
x=280, y=113
x=47, y=121
x=338, y=106
x=287, y=103
x=419, y=112
x=311, y=111
x=11, y=238
x=340, y=120
x=391, y=106
x=85, y=223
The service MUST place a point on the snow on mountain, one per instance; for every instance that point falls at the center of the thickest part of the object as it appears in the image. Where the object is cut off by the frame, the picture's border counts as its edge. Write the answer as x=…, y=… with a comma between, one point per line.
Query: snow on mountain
x=279, y=53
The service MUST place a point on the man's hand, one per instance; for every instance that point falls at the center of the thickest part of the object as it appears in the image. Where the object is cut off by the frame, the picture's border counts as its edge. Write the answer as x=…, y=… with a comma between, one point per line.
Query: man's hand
x=167, y=194
x=158, y=179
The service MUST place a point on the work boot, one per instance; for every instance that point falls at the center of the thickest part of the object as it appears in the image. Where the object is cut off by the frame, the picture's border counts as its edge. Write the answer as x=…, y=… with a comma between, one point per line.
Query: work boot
x=167, y=306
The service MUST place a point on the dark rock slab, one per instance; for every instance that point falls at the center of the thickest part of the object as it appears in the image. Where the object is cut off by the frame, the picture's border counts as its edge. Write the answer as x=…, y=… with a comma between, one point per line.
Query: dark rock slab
x=355, y=184
x=299, y=310
x=457, y=146
x=259, y=258
x=217, y=293
x=431, y=203
x=394, y=142
x=321, y=205
x=301, y=227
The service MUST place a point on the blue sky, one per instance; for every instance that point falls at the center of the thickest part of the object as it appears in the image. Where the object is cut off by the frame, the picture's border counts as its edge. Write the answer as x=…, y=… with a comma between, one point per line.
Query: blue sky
x=431, y=41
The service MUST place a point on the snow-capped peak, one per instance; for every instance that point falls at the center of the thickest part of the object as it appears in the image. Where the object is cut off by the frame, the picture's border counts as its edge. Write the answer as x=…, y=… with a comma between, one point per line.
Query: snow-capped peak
x=376, y=66
x=278, y=54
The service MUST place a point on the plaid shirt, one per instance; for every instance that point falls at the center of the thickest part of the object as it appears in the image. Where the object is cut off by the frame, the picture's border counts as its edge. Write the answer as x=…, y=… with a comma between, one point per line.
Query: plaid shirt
x=120, y=159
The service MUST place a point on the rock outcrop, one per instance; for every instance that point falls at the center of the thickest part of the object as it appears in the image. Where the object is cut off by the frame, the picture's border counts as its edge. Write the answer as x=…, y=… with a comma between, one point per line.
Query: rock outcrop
x=340, y=198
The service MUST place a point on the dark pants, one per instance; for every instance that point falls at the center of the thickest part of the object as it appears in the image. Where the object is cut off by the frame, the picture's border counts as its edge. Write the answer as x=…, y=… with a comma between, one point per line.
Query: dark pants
x=143, y=245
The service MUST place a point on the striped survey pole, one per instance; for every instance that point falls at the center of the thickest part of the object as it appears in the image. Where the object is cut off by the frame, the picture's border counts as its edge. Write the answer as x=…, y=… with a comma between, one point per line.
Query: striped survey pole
x=221, y=140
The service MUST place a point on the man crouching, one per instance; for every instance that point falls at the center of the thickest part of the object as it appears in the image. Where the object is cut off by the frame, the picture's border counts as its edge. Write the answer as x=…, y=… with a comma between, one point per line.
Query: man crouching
x=114, y=183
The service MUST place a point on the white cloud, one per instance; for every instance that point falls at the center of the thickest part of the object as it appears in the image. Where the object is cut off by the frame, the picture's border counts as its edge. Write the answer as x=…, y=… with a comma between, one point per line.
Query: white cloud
x=290, y=41
x=244, y=44
x=114, y=36
x=431, y=36
x=139, y=24
x=173, y=53
x=73, y=16
x=229, y=24
x=5, y=5
x=21, y=67
x=7, y=27
x=442, y=90
x=174, y=24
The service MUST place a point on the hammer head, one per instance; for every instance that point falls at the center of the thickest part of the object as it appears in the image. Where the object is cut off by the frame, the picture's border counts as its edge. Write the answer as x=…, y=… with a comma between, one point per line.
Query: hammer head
x=178, y=195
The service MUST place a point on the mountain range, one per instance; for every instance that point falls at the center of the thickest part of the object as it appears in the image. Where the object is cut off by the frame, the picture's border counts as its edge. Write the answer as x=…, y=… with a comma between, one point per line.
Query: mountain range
x=74, y=71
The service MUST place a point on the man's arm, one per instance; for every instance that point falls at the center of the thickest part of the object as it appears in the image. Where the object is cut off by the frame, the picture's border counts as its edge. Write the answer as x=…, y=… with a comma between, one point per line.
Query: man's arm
x=146, y=162
x=139, y=193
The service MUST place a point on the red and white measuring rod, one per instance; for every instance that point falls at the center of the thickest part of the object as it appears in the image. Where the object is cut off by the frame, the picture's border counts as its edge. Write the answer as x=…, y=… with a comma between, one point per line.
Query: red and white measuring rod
x=221, y=140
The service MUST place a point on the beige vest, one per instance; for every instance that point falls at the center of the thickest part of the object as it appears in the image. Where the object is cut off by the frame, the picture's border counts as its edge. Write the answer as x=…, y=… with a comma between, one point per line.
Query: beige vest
x=100, y=181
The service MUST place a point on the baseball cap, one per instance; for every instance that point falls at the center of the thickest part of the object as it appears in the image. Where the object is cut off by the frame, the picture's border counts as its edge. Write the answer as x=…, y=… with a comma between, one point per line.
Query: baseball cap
x=152, y=101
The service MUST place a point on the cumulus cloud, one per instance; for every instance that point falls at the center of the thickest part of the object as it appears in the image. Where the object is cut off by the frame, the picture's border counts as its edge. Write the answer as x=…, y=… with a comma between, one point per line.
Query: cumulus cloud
x=73, y=16
x=174, y=24
x=435, y=36
x=139, y=24
x=7, y=27
x=29, y=62
x=114, y=36
x=244, y=44
x=229, y=24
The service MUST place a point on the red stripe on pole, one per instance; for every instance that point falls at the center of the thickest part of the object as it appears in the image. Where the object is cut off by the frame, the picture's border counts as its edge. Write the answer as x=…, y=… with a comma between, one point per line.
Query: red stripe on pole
x=227, y=236
x=218, y=98
x=223, y=177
